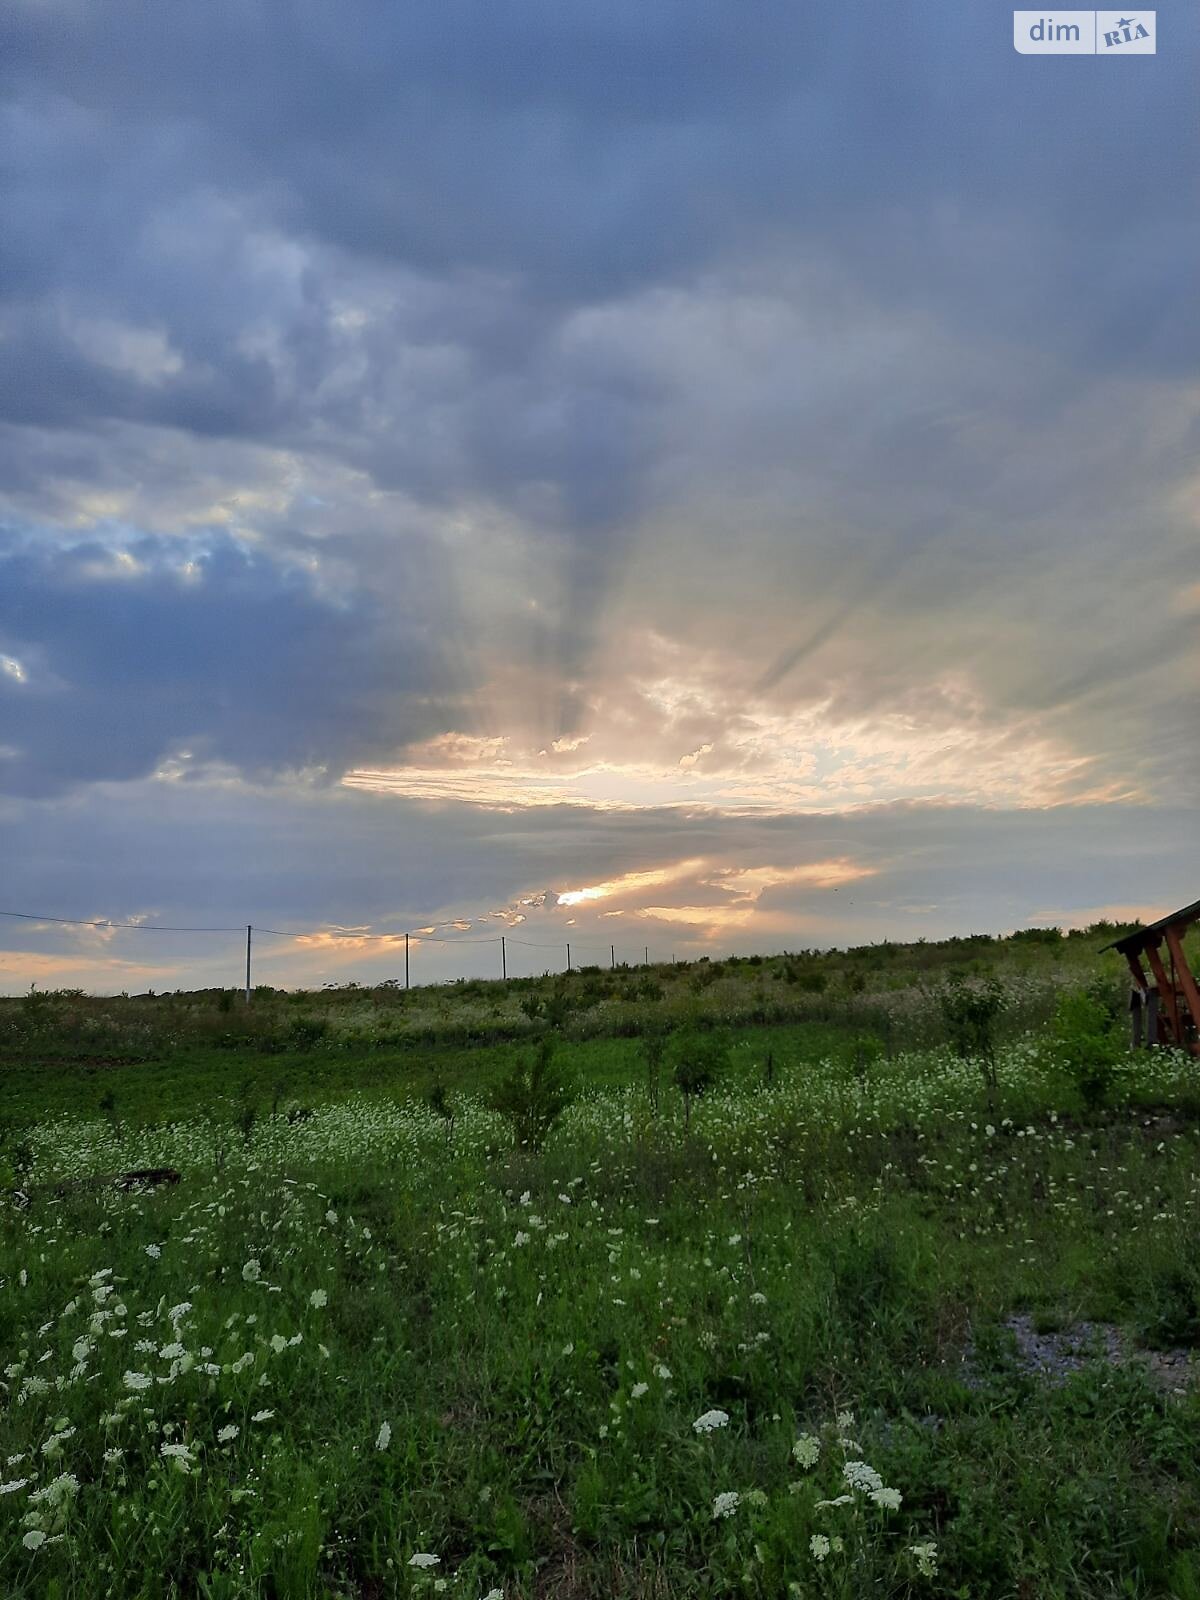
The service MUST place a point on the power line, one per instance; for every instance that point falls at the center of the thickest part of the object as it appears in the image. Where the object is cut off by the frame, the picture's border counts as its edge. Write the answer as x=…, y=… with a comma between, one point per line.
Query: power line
x=348, y=933
x=162, y=927
x=136, y=927
x=280, y=933
x=313, y=933
x=577, y=944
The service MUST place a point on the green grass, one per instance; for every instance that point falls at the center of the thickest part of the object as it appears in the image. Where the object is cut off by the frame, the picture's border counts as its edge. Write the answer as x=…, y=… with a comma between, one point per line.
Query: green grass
x=540, y=1329
x=192, y=1080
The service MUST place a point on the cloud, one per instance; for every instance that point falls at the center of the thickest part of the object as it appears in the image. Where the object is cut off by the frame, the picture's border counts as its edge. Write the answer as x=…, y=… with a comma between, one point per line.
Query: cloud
x=939, y=741
x=207, y=655
x=21, y=968
x=750, y=882
x=629, y=884
x=642, y=422
x=375, y=865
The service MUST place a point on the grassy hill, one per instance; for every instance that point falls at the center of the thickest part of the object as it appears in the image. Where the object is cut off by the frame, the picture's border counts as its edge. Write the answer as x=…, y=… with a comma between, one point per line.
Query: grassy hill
x=865, y=1273
x=308, y=1046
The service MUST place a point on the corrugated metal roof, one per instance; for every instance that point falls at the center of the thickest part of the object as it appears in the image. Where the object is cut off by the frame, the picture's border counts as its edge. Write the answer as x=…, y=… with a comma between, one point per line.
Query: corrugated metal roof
x=1133, y=941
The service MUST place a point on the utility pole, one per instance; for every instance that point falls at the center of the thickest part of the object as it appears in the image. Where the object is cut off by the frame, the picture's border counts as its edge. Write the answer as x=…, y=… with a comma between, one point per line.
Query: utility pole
x=647, y=955
x=248, y=930
x=568, y=958
x=406, y=961
x=612, y=956
x=503, y=960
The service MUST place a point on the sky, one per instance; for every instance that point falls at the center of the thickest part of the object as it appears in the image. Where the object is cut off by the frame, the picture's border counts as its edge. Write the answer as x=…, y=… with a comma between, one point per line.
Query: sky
x=676, y=477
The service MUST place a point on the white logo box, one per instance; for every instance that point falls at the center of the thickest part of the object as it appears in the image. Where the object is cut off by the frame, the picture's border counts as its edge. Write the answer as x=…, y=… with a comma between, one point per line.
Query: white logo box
x=1084, y=33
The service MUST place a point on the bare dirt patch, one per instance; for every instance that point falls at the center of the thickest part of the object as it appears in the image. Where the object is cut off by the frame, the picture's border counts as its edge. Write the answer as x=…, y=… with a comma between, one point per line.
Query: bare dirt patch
x=1055, y=1355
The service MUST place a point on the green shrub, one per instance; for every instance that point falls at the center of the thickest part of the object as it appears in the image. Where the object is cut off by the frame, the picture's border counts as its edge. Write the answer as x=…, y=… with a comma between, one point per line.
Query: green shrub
x=970, y=1010
x=654, y=1049
x=533, y=1097
x=439, y=1102
x=1085, y=1047
x=700, y=1059
x=306, y=1033
x=1169, y=1308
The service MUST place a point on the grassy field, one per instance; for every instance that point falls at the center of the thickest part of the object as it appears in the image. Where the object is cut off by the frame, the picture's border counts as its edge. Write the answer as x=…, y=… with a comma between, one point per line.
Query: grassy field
x=875, y=1273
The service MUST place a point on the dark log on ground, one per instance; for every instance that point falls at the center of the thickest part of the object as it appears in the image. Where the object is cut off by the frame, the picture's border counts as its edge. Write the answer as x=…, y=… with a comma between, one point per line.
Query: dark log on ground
x=148, y=1178
x=144, y=1178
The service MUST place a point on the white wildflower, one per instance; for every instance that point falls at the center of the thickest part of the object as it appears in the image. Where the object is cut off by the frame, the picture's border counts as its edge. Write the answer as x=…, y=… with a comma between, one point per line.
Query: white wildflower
x=726, y=1504
x=384, y=1437
x=926, y=1555
x=860, y=1476
x=819, y=1545
x=423, y=1559
x=57, y=1492
x=180, y=1455
x=807, y=1450
x=710, y=1421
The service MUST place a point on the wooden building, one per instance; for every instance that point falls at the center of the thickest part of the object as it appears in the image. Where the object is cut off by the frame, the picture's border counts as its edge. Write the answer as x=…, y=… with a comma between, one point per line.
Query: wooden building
x=1165, y=1003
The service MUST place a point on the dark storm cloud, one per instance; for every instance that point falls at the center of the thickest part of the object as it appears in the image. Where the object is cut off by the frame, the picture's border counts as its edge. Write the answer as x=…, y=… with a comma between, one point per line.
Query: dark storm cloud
x=572, y=154
x=473, y=179
x=843, y=341
x=599, y=146
x=119, y=660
